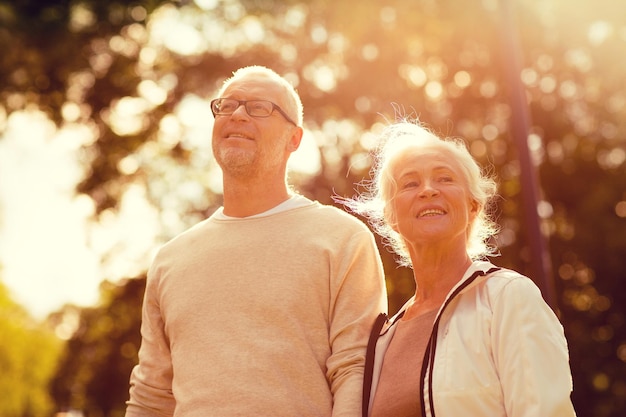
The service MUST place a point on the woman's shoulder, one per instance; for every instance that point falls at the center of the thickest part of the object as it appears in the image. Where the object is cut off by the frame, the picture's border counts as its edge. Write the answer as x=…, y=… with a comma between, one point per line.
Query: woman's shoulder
x=511, y=285
x=495, y=280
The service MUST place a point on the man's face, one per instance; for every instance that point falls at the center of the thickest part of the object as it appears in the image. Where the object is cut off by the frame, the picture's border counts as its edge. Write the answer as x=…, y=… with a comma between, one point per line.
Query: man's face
x=253, y=146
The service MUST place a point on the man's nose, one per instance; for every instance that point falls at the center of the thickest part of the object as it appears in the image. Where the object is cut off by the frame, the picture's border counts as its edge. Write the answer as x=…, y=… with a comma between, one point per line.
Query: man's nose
x=240, y=111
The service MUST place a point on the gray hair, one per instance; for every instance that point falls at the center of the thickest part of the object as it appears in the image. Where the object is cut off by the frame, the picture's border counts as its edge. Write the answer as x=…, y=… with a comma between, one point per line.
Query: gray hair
x=294, y=101
x=373, y=204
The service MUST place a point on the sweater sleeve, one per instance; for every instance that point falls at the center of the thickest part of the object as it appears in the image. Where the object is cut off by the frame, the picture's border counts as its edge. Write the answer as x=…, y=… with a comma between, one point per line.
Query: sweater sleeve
x=151, y=380
x=358, y=296
x=530, y=353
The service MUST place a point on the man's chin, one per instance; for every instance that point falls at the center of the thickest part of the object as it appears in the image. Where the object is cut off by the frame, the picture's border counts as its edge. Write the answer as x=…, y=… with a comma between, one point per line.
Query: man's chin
x=235, y=161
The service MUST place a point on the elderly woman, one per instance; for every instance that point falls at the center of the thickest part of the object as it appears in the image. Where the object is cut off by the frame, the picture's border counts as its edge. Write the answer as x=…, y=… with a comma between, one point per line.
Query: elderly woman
x=475, y=339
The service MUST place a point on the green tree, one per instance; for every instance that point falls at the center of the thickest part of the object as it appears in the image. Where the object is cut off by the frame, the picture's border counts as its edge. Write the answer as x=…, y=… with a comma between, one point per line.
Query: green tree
x=93, y=62
x=95, y=366
x=28, y=358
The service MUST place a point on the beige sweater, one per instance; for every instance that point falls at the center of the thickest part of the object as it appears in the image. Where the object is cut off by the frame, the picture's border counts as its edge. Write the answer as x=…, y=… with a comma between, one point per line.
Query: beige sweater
x=264, y=316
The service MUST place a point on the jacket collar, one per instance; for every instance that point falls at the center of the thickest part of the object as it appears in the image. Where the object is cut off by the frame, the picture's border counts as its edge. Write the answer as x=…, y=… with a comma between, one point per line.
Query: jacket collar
x=475, y=273
x=384, y=328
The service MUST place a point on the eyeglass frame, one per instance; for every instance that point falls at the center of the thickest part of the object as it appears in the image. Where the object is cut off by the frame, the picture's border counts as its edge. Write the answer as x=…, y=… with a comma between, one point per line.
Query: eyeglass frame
x=245, y=105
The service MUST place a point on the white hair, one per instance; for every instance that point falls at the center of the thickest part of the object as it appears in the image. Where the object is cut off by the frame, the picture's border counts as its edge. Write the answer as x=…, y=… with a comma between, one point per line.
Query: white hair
x=407, y=136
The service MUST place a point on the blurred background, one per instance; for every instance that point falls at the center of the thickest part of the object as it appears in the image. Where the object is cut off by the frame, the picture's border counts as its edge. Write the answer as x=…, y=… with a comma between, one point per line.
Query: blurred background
x=105, y=154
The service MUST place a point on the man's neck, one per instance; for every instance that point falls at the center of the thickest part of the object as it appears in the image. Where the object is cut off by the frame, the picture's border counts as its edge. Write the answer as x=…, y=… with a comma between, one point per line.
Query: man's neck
x=243, y=200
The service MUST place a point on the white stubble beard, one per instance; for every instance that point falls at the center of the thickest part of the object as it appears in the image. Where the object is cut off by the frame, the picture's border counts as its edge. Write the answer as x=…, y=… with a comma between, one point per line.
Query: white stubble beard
x=237, y=162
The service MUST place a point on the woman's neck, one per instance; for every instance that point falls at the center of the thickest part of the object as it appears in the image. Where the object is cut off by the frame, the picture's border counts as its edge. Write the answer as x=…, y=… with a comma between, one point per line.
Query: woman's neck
x=435, y=274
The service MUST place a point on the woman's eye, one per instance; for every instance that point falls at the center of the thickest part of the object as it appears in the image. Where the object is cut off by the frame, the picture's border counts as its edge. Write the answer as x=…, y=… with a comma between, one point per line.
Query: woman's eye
x=409, y=184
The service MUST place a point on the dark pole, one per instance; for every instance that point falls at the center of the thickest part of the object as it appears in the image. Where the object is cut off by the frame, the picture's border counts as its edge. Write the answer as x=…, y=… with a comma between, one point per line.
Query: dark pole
x=520, y=128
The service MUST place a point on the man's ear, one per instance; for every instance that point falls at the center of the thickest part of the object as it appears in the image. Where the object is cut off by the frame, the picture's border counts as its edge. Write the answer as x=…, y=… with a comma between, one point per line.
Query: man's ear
x=295, y=139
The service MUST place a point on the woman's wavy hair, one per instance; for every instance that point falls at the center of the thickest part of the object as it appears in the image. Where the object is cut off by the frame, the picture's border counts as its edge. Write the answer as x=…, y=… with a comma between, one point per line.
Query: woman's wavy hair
x=373, y=204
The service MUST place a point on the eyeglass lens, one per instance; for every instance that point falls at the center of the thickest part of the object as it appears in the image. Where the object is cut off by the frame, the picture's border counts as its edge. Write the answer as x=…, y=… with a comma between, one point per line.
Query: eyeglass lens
x=259, y=108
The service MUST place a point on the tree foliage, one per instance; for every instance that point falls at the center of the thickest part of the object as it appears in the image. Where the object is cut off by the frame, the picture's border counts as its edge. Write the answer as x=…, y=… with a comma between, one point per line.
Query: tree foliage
x=28, y=357
x=130, y=69
x=97, y=359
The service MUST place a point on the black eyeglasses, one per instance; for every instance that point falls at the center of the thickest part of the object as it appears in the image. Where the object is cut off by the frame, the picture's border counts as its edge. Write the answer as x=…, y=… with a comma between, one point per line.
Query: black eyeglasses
x=255, y=108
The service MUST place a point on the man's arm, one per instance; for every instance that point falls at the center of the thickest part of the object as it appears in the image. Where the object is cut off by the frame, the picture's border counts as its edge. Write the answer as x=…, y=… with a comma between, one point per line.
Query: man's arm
x=151, y=380
x=359, y=297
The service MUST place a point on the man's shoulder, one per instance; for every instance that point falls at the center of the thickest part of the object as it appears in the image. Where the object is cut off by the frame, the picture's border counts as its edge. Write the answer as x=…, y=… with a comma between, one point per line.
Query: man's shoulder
x=336, y=214
x=188, y=236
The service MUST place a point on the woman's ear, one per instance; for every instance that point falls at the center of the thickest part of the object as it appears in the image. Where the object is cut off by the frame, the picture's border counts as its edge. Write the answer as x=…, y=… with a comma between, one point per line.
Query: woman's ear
x=390, y=216
x=475, y=207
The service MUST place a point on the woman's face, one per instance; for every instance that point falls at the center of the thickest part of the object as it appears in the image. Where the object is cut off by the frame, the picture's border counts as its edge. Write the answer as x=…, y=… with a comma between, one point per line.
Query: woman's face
x=431, y=203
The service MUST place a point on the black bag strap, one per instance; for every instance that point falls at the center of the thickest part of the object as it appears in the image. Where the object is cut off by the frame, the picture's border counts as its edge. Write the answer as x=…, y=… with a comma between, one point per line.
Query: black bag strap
x=368, y=373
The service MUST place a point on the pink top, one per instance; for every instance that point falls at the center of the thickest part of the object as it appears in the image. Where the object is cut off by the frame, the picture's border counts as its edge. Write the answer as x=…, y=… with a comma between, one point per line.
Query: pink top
x=398, y=392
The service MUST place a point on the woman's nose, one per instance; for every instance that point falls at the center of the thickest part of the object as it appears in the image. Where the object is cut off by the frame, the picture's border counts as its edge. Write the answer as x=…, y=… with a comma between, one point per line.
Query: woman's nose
x=428, y=190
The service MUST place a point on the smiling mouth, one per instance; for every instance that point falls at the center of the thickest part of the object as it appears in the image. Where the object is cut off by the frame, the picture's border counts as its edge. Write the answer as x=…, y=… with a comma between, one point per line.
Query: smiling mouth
x=431, y=213
x=238, y=136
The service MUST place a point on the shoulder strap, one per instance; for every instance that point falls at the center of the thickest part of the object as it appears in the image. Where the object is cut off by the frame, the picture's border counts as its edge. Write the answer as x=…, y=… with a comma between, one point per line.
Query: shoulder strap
x=369, y=361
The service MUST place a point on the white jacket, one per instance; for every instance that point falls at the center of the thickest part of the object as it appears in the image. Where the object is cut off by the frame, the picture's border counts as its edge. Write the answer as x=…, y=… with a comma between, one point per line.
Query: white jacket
x=496, y=350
